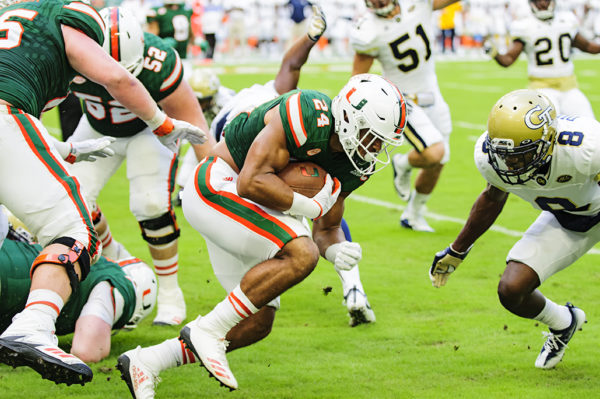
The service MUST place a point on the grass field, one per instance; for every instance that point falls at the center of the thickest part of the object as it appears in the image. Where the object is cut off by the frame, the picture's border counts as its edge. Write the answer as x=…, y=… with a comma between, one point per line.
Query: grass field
x=454, y=342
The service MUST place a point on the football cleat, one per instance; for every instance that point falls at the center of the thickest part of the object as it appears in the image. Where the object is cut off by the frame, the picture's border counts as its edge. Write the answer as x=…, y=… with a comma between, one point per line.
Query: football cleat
x=140, y=379
x=415, y=222
x=211, y=350
x=27, y=343
x=556, y=341
x=401, y=177
x=358, y=306
x=171, y=307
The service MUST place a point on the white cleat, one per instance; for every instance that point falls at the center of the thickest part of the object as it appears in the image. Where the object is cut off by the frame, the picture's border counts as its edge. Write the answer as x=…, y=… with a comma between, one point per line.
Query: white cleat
x=211, y=350
x=171, y=307
x=556, y=341
x=28, y=343
x=401, y=177
x=415, y=222
x=358, y=306
x=140, y=378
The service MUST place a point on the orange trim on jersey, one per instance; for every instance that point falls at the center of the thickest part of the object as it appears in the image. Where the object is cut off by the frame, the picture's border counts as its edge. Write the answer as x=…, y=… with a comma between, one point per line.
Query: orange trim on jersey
x=88, y=10
x=183, y=355
x=174, y=76
x=49, y=304
x=128, y=262
x=244, y=203
x=298, y=110
x=114, y=34
x=53, y=173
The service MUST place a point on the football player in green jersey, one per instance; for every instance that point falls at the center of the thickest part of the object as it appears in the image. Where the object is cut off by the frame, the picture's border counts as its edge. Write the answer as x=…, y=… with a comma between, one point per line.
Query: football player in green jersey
x=254, y=224
x=115, y=295
x=150, y=165
x=172, y=23
x=44, y=45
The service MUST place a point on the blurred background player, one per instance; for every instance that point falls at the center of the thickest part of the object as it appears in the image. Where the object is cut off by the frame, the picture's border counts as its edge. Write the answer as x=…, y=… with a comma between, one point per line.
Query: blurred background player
x=150, y=164
x=115, y=295
x=401, y=38
x=171, y=22
x=547, y=38
x=42, y=51
x=551, y=163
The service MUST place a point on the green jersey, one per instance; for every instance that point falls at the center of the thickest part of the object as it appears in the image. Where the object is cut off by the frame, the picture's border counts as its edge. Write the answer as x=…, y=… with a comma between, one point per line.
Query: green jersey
x=161, y=75
x=173, y=25
x=308, y=125
x=34, y=70
x=16, y=259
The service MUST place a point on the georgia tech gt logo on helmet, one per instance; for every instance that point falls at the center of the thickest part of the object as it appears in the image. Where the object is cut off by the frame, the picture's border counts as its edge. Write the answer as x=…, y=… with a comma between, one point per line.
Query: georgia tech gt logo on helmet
x=544, y=117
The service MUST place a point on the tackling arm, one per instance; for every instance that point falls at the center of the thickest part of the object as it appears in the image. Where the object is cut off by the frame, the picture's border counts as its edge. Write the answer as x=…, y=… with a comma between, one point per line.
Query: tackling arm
x=293, y=60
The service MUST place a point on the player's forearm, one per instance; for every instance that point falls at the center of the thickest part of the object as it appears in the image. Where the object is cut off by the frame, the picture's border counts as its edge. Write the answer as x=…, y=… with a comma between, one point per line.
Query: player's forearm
x=362, y=63
x=294, y=59
x=483, y=214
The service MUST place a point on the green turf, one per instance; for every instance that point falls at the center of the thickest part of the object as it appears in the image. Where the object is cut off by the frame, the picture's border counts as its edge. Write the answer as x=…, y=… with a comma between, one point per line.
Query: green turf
x=454, y=342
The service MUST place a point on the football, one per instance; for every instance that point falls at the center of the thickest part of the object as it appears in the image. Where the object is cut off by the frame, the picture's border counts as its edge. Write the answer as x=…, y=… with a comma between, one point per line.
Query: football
x=305, y=178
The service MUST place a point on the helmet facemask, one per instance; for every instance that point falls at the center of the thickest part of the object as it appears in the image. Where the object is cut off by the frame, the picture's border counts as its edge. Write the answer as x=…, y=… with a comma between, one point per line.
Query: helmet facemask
x=383, y=11
x=518, y=164
x=543, y=15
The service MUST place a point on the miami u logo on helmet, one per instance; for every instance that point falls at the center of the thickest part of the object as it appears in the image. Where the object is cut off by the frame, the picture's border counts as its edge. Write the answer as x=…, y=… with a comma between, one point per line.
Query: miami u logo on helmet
x=544, y=117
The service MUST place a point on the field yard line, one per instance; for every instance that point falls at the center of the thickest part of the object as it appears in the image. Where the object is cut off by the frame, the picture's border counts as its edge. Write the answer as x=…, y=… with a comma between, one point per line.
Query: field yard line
x=435, y=216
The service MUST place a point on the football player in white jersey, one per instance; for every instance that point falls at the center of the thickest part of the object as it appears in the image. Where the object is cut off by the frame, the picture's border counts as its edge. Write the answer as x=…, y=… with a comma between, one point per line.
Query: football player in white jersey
x=401, y=38
x=547, y=37
x=550, y=162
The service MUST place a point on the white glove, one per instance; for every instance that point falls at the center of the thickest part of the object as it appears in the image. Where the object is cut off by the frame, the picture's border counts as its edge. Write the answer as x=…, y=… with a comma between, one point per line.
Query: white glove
x=318, y=205
x=182, y=130
x=344, y=255
x=445, y=263
x=490, y=48
x=86, y=150
x=317, y=24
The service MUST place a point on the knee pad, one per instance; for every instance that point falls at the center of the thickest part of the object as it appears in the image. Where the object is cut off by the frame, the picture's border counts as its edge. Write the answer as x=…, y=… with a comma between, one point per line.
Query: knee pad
x=160, y=230
x=76, y=253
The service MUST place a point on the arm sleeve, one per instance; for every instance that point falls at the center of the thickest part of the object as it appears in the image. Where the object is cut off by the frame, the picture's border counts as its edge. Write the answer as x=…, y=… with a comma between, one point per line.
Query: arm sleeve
x=103, y=303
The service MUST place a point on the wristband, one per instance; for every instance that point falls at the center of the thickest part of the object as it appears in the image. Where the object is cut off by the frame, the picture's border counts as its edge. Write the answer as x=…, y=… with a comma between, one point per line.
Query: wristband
x=160, y=123
x=331, y=252
x=460, y=255
x=302, y=205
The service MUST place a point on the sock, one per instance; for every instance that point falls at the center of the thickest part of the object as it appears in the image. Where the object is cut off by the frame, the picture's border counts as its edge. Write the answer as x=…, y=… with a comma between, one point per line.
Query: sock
x=557, y=317
x=229, y=312
x=402, y=162
x=417, y=202
x=350, y=278
x=166, y=355
x=166, y=271
x=44, y=304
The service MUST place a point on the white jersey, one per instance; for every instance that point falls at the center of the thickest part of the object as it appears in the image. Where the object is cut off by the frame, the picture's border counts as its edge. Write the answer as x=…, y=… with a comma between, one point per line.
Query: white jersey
x=547, y=44
x=246, y=100
x=570, y=190
x=402, y=44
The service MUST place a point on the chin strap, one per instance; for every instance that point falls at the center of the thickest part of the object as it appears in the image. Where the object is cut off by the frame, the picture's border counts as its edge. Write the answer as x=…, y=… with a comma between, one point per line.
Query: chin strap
x=76, y=253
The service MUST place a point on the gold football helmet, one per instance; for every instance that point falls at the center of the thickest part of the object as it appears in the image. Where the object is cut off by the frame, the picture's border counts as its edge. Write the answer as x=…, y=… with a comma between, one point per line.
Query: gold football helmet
x=521, y=135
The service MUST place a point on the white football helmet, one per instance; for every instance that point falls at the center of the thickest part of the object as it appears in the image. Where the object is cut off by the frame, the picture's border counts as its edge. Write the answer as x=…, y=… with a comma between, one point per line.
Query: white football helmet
x=521, y=135
x=382, y=8
x=123, y=38
x=370, y=115
x=541, y=13
x=144, y=281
